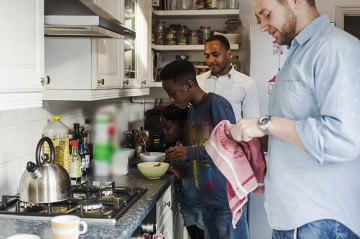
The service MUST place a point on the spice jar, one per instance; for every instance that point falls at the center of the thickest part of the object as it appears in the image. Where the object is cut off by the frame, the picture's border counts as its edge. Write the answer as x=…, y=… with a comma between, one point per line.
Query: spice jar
x=160, y=38
x=193, y=38
x=160, y=26
x=171, y=36
x=182, y=38
x=206, y=32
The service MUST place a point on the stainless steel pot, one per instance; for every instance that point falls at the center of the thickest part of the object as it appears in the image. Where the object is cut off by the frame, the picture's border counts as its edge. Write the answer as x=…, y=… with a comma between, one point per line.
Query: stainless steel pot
x=44, y=182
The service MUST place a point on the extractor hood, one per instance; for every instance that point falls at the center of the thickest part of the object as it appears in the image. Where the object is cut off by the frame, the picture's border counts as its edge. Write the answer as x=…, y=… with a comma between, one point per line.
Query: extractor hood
x=82, y=18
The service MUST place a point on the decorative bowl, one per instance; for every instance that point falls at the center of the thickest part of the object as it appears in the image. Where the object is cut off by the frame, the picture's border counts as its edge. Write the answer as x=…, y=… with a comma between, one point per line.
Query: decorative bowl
x=151, y=156
x=233, y=38
x=151, y=172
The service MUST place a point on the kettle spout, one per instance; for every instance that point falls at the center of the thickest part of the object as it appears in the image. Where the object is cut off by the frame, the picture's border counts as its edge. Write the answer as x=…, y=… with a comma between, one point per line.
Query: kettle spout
x=33, y=170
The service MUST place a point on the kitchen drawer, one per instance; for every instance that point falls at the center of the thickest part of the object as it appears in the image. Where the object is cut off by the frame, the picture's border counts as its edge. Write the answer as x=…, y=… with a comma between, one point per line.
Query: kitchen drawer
x=163, y=206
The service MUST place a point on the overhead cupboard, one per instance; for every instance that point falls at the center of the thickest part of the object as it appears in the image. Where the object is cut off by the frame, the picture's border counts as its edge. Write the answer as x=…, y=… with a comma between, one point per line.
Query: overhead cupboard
x=22, y=54
x=86, y=69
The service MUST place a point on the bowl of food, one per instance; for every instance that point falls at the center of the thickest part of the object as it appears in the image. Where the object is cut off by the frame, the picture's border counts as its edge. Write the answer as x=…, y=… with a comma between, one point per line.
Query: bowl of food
x=151, y=156
x=129, y=152
x=151, y=170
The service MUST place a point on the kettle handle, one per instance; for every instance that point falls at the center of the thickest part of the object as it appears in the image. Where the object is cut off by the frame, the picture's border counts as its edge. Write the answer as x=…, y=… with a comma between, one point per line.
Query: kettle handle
x=38, y=150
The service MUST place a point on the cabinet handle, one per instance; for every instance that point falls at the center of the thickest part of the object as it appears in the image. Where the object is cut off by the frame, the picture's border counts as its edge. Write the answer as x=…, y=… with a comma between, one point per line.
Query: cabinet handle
x=144, y=82
x=168, y=204
x=126, y=82
x=101, y=82
x=45, y=80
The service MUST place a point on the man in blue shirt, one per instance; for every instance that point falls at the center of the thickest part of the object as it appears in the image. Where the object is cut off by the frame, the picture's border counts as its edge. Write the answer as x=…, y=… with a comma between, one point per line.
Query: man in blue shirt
x=312, y=186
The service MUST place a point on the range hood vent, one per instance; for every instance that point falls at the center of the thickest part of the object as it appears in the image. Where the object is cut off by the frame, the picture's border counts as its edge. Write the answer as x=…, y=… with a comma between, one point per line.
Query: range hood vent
x=82, y=18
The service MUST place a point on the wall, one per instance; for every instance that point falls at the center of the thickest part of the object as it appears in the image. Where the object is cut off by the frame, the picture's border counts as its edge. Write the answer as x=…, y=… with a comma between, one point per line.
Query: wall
x=20, y=131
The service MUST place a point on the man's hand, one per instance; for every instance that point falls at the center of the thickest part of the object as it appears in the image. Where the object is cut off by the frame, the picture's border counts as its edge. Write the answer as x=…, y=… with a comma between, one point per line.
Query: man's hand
x=176, y=153
x=246, y=129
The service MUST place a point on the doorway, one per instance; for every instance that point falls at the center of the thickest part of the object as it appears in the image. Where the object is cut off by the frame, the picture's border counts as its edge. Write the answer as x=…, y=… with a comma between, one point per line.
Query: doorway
x=348, y=19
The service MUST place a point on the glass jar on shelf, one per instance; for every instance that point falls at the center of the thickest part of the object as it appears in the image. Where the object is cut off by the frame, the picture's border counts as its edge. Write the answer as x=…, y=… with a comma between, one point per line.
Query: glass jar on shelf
x=185, y=4
x=160, y=38
x=234, y=62
x=160, y=26
x=170, y=36
x=206, y=32
x=193, y=38
x=182, y=37
x=174, y=5
x=233, y=26
x=211, y=4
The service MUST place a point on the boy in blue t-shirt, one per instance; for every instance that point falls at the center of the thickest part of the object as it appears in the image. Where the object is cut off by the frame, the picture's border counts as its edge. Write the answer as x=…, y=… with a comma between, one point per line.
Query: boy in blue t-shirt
x=206, y=111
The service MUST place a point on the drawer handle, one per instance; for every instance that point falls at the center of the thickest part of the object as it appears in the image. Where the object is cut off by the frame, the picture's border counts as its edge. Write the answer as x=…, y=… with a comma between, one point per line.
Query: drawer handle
x=168, y=204
x=45, y=80
x=144, y=82
x=101, y=82
x=126, y=82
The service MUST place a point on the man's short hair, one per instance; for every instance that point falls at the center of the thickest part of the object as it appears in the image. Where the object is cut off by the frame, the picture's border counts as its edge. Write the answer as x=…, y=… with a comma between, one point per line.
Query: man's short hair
x=180, y=71
x=175, y=115
x=310, y=2
x=223, y=41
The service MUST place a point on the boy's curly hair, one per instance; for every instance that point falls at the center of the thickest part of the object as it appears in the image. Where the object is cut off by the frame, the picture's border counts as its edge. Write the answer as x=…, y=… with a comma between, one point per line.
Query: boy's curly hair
x=175, y=115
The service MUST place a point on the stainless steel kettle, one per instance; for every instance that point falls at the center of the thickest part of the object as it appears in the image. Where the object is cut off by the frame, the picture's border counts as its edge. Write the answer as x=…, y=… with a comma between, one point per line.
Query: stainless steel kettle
x=44, y=182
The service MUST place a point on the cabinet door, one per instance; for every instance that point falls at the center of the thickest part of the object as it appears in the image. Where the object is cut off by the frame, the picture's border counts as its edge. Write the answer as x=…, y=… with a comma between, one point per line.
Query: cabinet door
x=164, y=214
x=107, y=63
x=143, y=42
x=22, y=53
x=107, y=66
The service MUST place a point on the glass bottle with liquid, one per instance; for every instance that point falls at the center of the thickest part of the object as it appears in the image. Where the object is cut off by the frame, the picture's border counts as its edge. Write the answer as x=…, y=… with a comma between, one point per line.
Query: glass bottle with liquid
x=75, y=166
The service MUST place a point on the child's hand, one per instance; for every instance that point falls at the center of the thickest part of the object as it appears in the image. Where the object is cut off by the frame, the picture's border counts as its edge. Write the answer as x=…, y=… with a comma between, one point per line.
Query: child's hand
x=174, y=169
x=176, y=153
x=140, y=141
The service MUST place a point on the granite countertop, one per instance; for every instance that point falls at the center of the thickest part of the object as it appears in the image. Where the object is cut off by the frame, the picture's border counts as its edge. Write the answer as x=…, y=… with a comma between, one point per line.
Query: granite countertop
x=123, y=228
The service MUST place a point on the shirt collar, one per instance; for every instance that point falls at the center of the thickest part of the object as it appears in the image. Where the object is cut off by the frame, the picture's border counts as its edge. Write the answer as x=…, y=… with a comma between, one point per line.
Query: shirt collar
x=229, y=74
x=311, y=29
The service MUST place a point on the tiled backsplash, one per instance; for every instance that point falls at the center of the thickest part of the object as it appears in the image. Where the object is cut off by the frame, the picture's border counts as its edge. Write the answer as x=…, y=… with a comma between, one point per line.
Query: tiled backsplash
x=20, y=131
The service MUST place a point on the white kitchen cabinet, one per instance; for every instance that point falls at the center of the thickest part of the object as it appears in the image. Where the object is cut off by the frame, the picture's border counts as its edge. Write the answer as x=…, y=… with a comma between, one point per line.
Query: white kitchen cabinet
x=88, y=69
x=21, y=54
x=164, y=214
x=193, y=19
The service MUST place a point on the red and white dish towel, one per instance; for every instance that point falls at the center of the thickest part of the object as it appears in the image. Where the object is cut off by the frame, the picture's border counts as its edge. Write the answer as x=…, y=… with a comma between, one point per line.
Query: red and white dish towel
x=242, y=163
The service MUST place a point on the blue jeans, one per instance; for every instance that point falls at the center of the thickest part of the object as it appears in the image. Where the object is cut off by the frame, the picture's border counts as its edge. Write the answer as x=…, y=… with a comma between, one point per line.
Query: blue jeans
x=218, y=224
x=322, y=229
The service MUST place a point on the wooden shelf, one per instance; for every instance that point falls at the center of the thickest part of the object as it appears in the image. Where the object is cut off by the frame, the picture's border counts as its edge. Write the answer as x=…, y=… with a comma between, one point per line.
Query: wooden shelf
x=185, y=47
x=196, y=14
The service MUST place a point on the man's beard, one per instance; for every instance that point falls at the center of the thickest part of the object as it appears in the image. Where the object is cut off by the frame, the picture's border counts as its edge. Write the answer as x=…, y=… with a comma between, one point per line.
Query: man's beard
x=287, y=33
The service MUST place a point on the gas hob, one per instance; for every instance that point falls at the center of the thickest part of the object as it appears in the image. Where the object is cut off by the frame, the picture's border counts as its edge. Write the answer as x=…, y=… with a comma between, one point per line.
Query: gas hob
x=91, y=202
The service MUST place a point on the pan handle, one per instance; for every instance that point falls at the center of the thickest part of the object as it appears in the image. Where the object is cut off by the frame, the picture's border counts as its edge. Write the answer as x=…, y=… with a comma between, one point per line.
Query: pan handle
x=38, y=150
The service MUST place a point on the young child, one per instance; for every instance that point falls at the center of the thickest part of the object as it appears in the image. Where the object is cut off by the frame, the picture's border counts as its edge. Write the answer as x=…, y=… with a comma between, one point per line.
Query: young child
x=206, y=111
x=174, y=123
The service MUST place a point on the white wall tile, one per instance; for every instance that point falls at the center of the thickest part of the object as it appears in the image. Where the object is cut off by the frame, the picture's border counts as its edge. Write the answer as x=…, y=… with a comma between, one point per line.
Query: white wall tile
x=12, y=176
x=24, y=115
x=26, y=139
x=10, y=143
x=10, y=117
x=2, y=179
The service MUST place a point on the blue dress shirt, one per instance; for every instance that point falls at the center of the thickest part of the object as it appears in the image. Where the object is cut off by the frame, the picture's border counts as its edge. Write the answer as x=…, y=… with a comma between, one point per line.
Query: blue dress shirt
x=319, y=88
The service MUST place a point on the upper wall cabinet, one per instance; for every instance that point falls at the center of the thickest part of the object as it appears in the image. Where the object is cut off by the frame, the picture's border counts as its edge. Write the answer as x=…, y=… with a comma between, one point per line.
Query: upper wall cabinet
x=89, y=69
x=21, y=54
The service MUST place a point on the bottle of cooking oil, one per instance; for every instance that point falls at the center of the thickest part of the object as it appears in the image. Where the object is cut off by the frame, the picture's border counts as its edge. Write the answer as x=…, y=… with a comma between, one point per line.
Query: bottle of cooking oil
x=58, y=132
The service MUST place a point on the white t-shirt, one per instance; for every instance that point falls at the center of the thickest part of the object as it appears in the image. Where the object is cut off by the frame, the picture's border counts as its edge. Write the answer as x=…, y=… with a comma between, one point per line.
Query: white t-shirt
x=239, y=89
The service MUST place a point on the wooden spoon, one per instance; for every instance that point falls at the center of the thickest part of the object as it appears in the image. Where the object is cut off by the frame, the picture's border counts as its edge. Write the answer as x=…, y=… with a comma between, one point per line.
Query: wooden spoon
x=159, y=164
